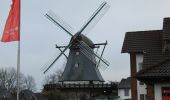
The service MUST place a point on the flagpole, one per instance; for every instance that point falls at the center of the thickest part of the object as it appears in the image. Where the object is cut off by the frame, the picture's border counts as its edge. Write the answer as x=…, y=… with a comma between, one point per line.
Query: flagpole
x=12, y=33
x=18, y=55
x=18, y=71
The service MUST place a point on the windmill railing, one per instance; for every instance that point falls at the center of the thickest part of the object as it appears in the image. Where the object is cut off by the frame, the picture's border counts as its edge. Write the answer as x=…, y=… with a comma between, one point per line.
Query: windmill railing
x=78, y=86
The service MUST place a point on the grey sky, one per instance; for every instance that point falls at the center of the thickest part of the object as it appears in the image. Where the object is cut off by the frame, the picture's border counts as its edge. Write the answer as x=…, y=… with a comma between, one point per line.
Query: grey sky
x=39, y=35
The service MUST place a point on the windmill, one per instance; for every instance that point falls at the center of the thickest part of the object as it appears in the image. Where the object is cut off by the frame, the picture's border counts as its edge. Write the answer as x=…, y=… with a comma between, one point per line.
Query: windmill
x=82, y=64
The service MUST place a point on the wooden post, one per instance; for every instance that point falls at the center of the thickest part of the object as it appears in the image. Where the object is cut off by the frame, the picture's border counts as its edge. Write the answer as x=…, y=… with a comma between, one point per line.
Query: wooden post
x=133, y=73
x=150, y=92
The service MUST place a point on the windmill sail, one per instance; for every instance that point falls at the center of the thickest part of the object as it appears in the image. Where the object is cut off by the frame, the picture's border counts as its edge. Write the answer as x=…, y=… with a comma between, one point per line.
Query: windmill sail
x=84, y=45
x=59, y=22
x=101, y=55
x=62, y=51
x=87, y=54
x=96, y=16
x=51, y=62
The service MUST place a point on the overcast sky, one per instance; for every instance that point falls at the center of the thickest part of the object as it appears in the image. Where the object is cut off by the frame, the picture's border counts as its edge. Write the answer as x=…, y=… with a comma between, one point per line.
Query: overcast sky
x=39, y=35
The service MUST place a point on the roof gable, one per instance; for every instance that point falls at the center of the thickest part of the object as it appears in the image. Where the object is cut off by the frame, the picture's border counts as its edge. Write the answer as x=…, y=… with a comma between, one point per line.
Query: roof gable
x=138, y=41
x=125, y=83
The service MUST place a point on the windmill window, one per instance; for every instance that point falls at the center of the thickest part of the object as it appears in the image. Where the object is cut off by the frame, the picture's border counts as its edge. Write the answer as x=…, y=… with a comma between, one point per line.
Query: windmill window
x=77, y=53
x=76, y=65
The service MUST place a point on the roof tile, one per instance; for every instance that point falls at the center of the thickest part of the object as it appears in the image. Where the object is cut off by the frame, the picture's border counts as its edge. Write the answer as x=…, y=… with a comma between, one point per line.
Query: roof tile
x=125, y=83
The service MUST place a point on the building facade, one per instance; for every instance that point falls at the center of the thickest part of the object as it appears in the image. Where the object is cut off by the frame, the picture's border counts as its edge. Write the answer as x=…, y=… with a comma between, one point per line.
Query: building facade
x=141, y=87
x=150, y=62
x=124, y=89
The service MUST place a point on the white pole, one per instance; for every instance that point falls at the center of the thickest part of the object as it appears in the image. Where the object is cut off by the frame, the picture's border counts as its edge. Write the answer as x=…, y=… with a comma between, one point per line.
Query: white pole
x=18, y=56
x=18, y=71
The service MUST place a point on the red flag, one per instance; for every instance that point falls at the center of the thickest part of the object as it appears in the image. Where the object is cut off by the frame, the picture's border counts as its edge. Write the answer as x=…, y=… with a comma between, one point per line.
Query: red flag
x=12, y=26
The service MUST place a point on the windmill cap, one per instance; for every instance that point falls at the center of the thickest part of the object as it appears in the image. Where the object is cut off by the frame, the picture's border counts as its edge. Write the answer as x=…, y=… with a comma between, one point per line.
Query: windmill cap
x=85, y=39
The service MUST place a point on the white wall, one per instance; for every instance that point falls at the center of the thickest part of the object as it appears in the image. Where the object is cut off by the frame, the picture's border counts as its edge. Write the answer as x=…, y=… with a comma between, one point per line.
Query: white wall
x=157, y=90
x=121, y=94
x=140, y=88
x=139, y=59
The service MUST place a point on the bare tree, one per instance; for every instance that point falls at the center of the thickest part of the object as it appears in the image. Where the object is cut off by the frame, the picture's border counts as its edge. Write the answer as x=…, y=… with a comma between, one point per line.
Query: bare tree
x=8, y=80
x=29, y=83
x=53, y=78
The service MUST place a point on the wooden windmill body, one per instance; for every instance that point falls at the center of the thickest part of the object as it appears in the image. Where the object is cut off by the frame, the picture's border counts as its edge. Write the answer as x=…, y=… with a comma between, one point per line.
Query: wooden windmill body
x=78, y=66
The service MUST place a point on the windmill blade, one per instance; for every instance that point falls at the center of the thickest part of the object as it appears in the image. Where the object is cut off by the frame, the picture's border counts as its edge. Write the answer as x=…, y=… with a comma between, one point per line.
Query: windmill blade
x=102, y=66
x=45, y=66
x=97, y=50
x=87, y=54
x=96, y=16
x=59, y=22
x=90, y=51
x=61, y=51
x=50, y=64
x=101, y=54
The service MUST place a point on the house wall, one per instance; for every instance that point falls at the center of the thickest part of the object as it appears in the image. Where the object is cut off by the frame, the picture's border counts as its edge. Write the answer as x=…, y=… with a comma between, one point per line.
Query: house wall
x=157, y=90
x=141, y=89
x=121, y=94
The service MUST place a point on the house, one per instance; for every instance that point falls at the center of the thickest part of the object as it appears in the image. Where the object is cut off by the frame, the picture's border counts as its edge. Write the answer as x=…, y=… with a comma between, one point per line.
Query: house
x=149, y=62
x=124, y=89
